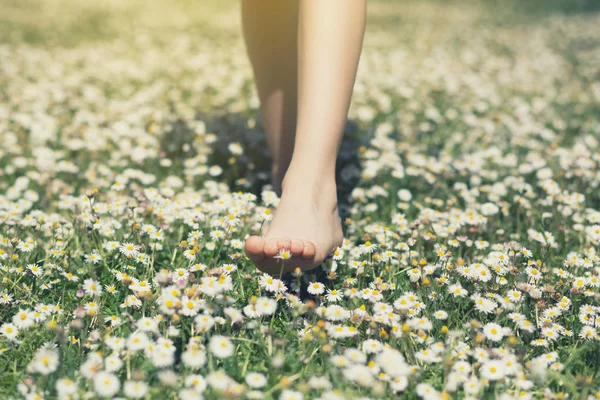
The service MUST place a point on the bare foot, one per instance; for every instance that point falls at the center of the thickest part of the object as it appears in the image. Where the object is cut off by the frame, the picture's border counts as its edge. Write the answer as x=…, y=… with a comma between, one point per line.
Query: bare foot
x=306, y=223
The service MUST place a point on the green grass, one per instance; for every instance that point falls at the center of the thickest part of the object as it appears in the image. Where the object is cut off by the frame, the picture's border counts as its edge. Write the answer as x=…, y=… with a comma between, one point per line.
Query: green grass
x=116, y=117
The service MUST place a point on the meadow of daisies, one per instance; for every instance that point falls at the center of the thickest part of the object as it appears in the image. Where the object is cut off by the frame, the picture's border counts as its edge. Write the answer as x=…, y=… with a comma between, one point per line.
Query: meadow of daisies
x=133, y=166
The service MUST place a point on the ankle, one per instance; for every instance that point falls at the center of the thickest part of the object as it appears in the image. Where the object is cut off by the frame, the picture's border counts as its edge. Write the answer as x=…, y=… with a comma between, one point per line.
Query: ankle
x=311, y=168
x=321, y=188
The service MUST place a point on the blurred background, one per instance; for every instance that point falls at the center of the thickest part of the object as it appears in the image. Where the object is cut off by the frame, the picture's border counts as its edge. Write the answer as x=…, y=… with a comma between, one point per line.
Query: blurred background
x=68, y=22
x=135, y=75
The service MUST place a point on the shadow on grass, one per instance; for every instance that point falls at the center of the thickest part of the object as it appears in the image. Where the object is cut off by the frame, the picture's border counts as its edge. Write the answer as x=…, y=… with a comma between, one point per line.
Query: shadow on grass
x=250, y=172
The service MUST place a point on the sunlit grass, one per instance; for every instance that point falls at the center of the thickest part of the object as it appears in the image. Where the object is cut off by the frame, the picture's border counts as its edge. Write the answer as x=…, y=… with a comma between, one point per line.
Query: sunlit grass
x=133, y=166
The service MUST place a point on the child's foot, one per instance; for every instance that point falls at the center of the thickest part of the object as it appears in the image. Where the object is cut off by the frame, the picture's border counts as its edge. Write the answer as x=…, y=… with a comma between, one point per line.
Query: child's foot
x=306, y=223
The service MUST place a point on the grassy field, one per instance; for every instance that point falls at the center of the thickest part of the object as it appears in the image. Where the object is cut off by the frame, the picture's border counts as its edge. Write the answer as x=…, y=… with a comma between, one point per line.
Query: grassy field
x=469, y=183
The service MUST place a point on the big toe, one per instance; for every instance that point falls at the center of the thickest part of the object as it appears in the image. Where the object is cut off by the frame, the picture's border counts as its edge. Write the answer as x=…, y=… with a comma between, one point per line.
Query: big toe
x=255, y=248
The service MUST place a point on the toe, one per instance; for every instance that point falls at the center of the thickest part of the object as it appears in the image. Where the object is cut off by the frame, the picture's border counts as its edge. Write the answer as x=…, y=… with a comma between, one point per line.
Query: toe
x=297, y=247
x=309, y=250
x=255, y=248
x=284, y=243
x=271, y=249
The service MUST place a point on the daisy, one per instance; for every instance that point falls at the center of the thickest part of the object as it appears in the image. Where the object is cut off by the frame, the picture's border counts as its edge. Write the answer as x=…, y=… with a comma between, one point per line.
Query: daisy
x=493, y=332
x=92, y=288
x=198, y=267
x=35, y=270
x=23, y=319
x=457, y=290
x=359, y=374
x=135, y=389
x=46, y=360
x=336, y=313
x=237, y=244
x=539, y=342
x=69, y=276
x=481, y=244
x=204, y=322
x=161, y=357
x=232, y=220
x=6, y=299
x=288, y=394
x=180, y=274
x=268, y=283
x=25, y=247
x=217, y=235
x=493, y=370
x=414, y=274
x=194, y=357
x=219, y=380
x=588, y=332
x=316, y=288
x=255, y=380
x=371, y=346
x=334, y=295
x=106, y=384
x=189, y=394
x=427, y=356
x=319, y=383
x=111, y=245
x=484, y=305
x=113, y=320
x=266, y=215
x=112, y=363
x=283, y=254
x=196, y=382
x=355, y=355
x=190, y=254
x=462, y=367
x=137, y=341
x=368, y=247
x=9, y=331
x=228, y=268
x=115, y=343
x=427, y=391
x=526, y=325
x=221, y=347
x=265, y=306
x=533, y=273
x=66, y=388
x=93, y=258
x=472, y=386
x=441, y=315
x=129, y=250
x=189, y=307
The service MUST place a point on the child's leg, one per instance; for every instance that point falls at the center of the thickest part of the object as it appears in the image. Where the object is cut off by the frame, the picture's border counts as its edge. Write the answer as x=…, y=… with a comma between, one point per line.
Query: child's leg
x=307, y=221
x=270, y=32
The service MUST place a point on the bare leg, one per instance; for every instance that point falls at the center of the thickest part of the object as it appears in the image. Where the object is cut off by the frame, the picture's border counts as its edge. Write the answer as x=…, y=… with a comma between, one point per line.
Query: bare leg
x=270, y=32
x=307, y=222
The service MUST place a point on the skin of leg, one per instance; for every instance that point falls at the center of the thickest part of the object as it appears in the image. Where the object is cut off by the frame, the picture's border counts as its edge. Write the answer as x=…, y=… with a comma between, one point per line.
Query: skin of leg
x=330, y=35
x=270, y=29
x=329, y=43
